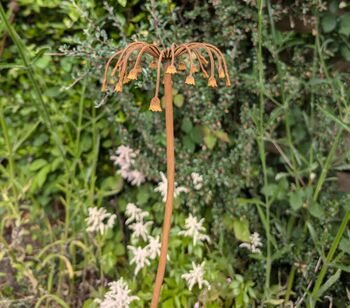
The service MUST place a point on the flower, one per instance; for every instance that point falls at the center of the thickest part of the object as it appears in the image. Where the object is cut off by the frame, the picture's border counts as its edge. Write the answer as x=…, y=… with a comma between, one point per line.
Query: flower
x=228, y=83
x=153, y=247
x=212, y=82
x=196, y=276
x=140, y=229
x=119, y=86
x=197, y=180
x=190, y=80
x=194, y=229
x=134, y=213
x=136, y=177
x=125, y=158
x=171, y=69
x=155, y=105
x=140, y=257
x=221, y=73
x=182, y=66
x=162, y=187
x=153, y=64
x=255, y=242
x=132, y=74
x=117, y=296
x=99, y=220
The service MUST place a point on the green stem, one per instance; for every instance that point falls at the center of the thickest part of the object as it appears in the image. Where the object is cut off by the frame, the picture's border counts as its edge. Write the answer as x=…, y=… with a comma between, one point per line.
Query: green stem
x=10, y=153
x=260, y=141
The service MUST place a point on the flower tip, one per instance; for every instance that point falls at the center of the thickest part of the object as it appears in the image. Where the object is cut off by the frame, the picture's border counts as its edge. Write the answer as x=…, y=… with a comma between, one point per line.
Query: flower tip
x=212, y=82
x=182, y=66
x=221, y=74
x=133, y=74
x=104, y=88
x=153, y=65
x=155, y=105
x=171, y=69
x=119, y=86
x=228, y=83
x=190, y=80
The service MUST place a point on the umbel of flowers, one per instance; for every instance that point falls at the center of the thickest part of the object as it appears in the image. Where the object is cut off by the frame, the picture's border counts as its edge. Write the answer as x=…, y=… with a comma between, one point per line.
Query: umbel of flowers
x=126, y=65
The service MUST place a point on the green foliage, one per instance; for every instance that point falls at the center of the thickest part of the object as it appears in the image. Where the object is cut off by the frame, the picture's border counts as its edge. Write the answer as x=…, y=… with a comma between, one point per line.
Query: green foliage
x=273, y=151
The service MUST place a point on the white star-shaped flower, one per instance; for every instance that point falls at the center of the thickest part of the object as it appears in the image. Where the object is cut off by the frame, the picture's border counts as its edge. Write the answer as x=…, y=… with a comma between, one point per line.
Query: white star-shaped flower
x=163, y=187
x=194, y=229
x=140, y=257
x=196, y=276
x=140, y=229
x=117, y=295
x=99, y=220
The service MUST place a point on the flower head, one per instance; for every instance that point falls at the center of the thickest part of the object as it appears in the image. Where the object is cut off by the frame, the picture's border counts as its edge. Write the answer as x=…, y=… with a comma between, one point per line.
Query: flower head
x=197, y=180
x=117, y=295
x=99, y=220
x=155, y=105
x=153, y=247
x=194, y=228
x=133, y=74
x=182, y=66
x=171, y=69
x=162, y=187
x=125, y=158
x=119, y=86
x=255, y=242
x=190, y=80
x=134, y=213
x=221, y=73
x=140, y=229
x=196, y=276
x=212, y=82
x=140, y=257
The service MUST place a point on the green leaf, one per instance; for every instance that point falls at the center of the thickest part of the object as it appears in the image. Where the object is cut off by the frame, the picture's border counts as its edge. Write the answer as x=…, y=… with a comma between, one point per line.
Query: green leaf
x=328, y=22
x=296, y=199
x=179, y=100
x=241, y=229
x=210, y=141
x=345, y=52
x=345, y=245
x=316, y=210
x=37, y=164
x=344, y=27
x=331, y=281
x=122, y=2
x=186, y=125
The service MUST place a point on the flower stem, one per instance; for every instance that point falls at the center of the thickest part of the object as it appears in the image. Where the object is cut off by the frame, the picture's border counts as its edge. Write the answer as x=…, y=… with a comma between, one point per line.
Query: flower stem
x=169, y=120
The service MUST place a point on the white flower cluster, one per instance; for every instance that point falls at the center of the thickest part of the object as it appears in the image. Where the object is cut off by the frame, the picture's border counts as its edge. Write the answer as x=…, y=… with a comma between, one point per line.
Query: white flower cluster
x=196, y=276
x=194, y=228
x=99, y=220
x=125, y=158
x=141, y=255
x=197, y=180
x=255, y=242
x=117, y=296
x=162, y=188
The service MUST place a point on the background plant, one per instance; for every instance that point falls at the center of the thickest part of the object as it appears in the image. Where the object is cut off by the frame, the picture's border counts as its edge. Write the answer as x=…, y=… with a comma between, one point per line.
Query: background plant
x=273, y=152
